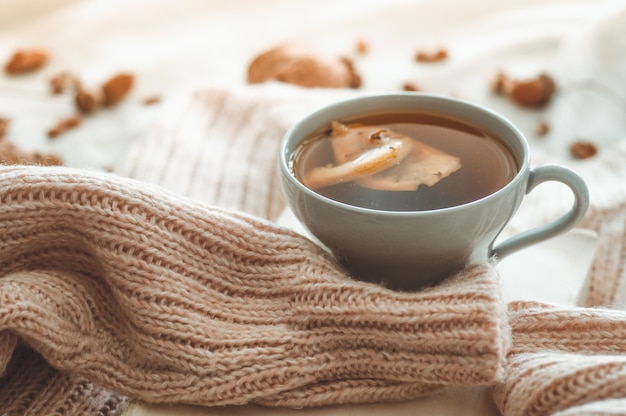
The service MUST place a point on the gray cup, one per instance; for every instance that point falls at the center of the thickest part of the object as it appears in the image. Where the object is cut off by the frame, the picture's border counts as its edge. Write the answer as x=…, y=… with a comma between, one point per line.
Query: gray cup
x=407, y=250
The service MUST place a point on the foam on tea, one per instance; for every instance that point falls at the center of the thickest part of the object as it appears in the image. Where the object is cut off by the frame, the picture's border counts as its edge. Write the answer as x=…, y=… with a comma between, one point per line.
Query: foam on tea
x=404, y=162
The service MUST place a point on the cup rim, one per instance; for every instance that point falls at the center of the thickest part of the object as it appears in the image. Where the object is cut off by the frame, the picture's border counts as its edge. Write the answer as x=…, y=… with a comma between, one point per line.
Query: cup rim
x=285, y=152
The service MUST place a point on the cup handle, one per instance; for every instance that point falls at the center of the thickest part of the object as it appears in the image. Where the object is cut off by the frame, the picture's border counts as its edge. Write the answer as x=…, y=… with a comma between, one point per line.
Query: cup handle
x=560, y=225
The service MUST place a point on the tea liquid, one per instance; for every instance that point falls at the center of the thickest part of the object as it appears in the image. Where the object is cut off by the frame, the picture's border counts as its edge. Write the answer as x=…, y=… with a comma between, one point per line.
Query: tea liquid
x=487, y=164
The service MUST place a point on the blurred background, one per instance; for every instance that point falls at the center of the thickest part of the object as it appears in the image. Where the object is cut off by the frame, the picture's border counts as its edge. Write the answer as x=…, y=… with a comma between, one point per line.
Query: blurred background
x=173, y=47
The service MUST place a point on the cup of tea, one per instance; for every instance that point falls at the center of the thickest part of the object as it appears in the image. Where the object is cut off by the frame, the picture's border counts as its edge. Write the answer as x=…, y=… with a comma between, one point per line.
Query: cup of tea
x=407, y=188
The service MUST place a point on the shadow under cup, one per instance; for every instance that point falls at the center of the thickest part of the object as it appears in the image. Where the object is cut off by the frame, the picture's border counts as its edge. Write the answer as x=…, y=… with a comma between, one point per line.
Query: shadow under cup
x=411, y=249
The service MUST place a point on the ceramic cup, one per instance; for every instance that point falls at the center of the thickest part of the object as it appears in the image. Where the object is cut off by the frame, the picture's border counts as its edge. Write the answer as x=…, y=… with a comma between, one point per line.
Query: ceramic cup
x=407, y=250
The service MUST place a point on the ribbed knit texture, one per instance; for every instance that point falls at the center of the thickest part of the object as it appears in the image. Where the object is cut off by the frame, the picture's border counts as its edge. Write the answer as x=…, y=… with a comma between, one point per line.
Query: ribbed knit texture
x=220, y=145
x=524, y=383
x=564, y=360
x=163, y=299
x=31, y=386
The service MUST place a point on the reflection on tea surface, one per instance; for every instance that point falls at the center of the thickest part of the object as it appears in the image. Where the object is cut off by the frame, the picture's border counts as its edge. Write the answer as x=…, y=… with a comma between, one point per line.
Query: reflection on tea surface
x=404, y=162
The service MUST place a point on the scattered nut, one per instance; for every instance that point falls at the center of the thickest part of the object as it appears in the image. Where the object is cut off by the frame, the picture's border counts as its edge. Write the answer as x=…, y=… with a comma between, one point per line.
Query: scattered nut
x=542, y=129
x=88, y=101
x=582, y=149
x=64, y=125
x=499, y=82
x=354, y=79
x=26, y=60
x=4, y=126
x=302, y=65
x=63, y=82
x=438, y=55
x=536, y=92
x=110, y=94
x=116, y=88
x=153, y=99
x=410, y=86
x=362, y=47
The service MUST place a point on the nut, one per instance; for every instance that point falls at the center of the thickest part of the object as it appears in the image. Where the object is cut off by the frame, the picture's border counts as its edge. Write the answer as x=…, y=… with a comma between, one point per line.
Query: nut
x=4, y=126
x=410, y=86
x=64, y=81
x=304, y=66
x=64, y=125
x=26, y=60
x=116, y=88
x=362, y=47
x=438, y=55
x=536, y=92
x=542, y=129
x=152, y=99
x=582, y=149
x=499, y=83
x=88, y=101
x=354, y=79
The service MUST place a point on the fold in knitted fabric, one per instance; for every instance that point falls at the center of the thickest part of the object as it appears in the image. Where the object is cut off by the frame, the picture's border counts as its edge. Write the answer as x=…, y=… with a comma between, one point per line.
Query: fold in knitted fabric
x=164, y=299
x=565, y=361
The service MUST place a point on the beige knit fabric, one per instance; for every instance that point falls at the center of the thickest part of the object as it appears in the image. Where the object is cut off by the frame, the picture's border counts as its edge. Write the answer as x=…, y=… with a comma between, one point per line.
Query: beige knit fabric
x=220, y=145
x=569, y=361
x=31, y=386
x=114, y=289
x=533, y=383
x=164, y=299
x=608, y=407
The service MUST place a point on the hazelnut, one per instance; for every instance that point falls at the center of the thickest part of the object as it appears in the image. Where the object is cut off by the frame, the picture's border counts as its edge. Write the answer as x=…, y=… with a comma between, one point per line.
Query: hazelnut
x=87, y=101
x=116, y=88
x=536, y=92
x=582, y=149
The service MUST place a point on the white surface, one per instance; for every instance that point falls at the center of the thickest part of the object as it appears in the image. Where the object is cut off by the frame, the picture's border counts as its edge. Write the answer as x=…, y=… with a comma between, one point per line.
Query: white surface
x=554, y=271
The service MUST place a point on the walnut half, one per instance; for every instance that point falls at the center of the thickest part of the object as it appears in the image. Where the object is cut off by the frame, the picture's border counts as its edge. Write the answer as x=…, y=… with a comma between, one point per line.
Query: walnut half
x=302, y=65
